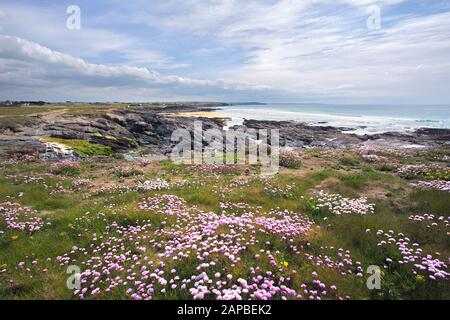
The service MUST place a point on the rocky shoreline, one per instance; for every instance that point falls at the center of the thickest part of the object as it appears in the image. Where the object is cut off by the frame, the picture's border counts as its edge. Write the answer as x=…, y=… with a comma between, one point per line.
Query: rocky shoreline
x=150, y=130
x=299, y=135
x=122, y=129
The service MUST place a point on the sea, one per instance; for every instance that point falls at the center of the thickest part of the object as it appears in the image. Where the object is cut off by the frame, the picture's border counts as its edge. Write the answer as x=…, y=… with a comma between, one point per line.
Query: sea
x=359, y=119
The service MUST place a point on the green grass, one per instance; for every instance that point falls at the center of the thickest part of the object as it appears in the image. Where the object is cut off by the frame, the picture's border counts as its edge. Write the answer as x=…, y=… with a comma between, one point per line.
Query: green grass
x=358, y=180
x=349, y=161
x=26, y=110
x=430, y=201
x=75, y=216
x=83, y=147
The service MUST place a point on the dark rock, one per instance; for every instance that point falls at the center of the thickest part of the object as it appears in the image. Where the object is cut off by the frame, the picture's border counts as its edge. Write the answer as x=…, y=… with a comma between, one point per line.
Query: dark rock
x=295, y=134
x=129, y=128
x=10, y=145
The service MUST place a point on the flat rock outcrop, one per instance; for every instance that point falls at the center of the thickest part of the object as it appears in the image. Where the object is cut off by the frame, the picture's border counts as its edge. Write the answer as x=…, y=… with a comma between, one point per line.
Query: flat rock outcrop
x=296, y=134
x=122, y=130
x=151, y=129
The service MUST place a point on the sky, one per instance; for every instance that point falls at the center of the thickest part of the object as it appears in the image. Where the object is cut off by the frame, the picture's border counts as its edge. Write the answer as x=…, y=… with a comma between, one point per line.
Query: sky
x=324, y=51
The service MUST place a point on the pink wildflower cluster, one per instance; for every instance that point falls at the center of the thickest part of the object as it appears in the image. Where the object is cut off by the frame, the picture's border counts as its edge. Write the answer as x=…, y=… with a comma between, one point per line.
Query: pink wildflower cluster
x=231, y=207
x=79, y=183
x=147, y=185
x=31, y=265
x=25, y=179
x=180, y=183
x=127, y=171
x=430, y=171
x=338, y=205
x=209, y=236
x=373, y=158
x=215, y=168
x=440, y=185
x=40, y=179
x=236, y=184
x=240, y=182
x=58, y=189
x=412, y=255
x=432, y=220
x=291, y=159
x=213, y=243
x=109, y=188
x=58, y=166
x=410, y=171
x=285, y=191
x=343, y=262
x=318, y=290
x=20, y=218
x=155, y=184
x=19, y=158
x=166, y=204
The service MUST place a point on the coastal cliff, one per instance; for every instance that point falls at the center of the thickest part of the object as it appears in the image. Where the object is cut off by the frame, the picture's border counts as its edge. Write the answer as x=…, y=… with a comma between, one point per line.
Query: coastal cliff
x=149, y=129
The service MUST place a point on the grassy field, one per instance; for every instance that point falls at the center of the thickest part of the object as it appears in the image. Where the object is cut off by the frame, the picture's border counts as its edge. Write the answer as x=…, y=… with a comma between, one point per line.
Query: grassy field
x=12, y=116
x=76, y=109
x=157, y=230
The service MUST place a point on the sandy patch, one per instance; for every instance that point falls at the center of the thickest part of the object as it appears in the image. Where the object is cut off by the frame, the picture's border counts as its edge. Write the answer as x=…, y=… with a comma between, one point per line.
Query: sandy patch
x=198, y=114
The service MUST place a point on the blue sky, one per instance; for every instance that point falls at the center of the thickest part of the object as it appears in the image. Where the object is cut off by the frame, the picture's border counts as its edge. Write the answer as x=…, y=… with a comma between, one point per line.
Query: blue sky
x=227, y=50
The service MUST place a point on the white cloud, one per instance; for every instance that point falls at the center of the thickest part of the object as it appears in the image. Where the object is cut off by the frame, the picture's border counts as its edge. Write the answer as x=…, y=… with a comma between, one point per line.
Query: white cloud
x=26, y=63
x=331, y=55
x=296, y=49
x=47, y=26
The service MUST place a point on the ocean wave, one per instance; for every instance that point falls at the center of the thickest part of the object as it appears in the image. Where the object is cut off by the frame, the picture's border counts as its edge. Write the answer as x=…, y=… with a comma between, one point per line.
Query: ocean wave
x=357, y=123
